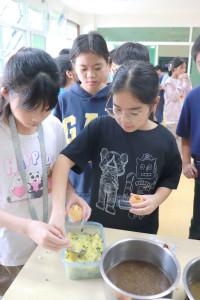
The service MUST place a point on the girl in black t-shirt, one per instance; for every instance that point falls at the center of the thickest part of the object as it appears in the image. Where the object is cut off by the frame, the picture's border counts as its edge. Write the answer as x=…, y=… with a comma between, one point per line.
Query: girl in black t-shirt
x=130, y=153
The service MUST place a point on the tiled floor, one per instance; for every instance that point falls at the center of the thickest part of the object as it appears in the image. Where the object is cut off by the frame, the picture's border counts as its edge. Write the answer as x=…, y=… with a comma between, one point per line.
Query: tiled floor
x=176, y=211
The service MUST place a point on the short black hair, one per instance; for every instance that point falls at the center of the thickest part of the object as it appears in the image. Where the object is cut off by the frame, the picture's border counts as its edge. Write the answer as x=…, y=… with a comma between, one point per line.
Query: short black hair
x=196, y=48
x=131, y=51
x=64, y=51
x=64, y=64
x=91, y=42
x=111, y=54
x=177, y=61
x=158, y=67
x=140, y=78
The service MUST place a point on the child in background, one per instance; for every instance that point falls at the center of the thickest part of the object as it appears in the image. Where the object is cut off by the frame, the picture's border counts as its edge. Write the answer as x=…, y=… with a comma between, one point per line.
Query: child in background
x=130, y=51
x=32, y=140
x=112, y=65
x=160, y=106
x=64, y=51
x=176, y=88
x=166, y=76
x=188, y=129
x=126, y=156
x=85, y=101
x=67, y=74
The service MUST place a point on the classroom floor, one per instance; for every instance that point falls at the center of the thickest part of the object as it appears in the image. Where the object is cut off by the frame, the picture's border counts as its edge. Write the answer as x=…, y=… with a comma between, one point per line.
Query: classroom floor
x=176, y=211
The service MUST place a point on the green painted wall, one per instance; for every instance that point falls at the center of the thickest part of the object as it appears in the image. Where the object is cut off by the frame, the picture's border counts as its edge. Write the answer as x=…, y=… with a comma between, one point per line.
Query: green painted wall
x=195, y=33
x=194, y=75
x=145, y=34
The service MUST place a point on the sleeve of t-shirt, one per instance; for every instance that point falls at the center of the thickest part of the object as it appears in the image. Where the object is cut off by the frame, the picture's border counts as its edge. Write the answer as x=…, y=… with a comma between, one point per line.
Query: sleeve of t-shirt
x=80, y=150
x=173, y=167
x=183, y=127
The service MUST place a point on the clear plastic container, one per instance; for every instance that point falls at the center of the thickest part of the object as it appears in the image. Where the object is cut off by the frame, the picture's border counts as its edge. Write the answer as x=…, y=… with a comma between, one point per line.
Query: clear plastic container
x=84, y=270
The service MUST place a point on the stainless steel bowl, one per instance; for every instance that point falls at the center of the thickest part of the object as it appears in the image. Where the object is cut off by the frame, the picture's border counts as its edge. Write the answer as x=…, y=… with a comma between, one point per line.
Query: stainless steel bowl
x=144, y=250
x=191, y=273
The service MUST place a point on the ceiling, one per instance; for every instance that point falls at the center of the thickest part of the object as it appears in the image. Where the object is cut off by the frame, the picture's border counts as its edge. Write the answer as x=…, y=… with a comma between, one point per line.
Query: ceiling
x=133, y=6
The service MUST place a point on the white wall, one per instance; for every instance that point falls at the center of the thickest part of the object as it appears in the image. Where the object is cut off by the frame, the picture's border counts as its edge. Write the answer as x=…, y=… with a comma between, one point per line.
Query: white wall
x=148, y=20
x=89, y=22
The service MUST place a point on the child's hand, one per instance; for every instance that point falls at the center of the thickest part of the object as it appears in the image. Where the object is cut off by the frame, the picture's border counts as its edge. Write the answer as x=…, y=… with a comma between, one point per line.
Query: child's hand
x=76, y=199
x=183, y=76
x=57, y=220
x=46, y=236
x=190, y=171
x=146, y=207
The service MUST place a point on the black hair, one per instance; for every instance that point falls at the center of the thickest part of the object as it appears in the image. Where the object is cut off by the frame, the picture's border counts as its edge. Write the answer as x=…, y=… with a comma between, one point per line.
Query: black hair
x=140, y=78
x=33, y=75
x=196, y=48
x=158, y=67
x=176, y=62
x=131, y=51
x=111, y=54
x=64, y=51
x=91, y=42
x=64, y=64
x=170, y=71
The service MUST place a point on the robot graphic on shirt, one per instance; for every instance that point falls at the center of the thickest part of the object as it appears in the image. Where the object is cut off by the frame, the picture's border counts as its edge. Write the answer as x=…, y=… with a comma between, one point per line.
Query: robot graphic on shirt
x=112, y=165
x=144, y=180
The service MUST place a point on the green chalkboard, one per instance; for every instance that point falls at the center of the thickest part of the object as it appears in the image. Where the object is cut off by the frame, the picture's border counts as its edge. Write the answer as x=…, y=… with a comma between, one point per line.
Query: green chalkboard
x=145, y=34
x=194, y=75
x=152, y=54
x=195, y=33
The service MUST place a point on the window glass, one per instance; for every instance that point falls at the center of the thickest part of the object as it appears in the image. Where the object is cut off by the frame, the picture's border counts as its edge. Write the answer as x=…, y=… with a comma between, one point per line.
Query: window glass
x=11, y=11
x=11, y=40
x=35, y=19
x=72, y=30
x=38, y=41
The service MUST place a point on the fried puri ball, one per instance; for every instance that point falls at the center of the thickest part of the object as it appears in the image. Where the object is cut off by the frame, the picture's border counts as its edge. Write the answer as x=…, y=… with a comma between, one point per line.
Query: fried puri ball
x=136, y=199
x=75, y=213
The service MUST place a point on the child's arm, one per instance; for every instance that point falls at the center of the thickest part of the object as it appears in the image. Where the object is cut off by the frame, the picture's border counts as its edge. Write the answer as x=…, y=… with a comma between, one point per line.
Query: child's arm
x=60, y=174
x=41, y=233
x=151, y=202
x=189, y=169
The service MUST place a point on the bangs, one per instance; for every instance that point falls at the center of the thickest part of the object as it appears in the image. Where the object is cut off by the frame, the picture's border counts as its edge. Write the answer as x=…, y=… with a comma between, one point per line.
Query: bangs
x=42, y=91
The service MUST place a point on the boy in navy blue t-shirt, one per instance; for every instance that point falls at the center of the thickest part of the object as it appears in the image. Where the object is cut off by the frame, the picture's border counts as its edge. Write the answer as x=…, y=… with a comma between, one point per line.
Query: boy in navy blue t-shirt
x=189, y=131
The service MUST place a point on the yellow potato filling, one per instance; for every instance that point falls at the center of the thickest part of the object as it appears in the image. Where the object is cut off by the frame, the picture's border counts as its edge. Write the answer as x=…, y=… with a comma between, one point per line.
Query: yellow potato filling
x=91, y=243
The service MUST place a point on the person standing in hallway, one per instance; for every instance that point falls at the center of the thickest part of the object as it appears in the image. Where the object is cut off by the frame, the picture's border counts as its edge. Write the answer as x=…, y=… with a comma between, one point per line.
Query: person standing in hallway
x=160, y=106
x=189, y=130
x=67, y=73
x=176, y=88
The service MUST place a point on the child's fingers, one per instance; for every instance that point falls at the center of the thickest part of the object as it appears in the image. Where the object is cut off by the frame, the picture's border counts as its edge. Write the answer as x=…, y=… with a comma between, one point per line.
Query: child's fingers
x=57, y=232
x=59, y=241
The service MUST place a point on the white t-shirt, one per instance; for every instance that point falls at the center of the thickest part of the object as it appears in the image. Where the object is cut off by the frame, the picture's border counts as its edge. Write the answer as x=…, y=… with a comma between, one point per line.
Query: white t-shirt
x=16, y=248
